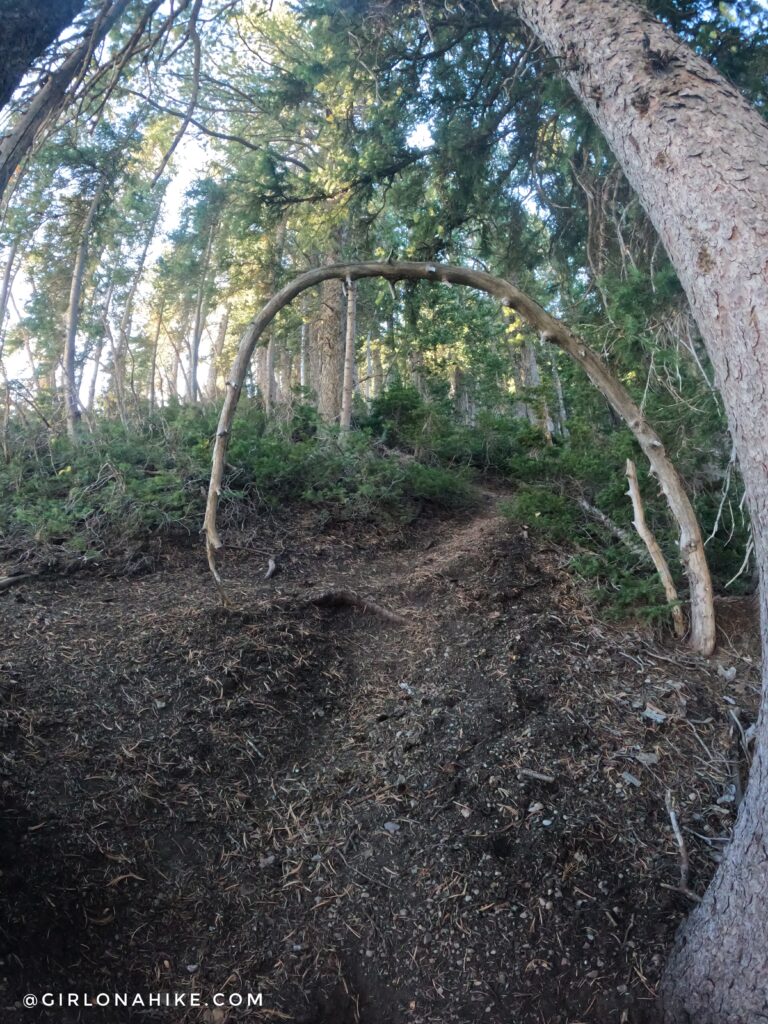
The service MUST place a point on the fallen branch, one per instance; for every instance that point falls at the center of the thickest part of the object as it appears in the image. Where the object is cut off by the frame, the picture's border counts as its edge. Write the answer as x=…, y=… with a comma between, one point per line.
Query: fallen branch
x=613, y=528
x=684, y=862
x=529, y=773
x=10, y=581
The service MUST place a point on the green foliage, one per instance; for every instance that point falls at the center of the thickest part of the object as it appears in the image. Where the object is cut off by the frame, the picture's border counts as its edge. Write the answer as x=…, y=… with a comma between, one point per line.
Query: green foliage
x=118, y=485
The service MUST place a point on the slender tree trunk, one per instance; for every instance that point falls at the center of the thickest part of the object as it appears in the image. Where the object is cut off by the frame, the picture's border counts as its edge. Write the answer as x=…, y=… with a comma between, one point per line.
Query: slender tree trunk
x=349, y=357
x=9, y=274
x=270, y=384
x=99, y=350
x=304, y=356
x=657, y=555
x=126, y=320
x=696, y=154
x=201, y=308
x=73, y=315
x=153, y=358
x=562, y=412
x=211, y=390
x=378, y=372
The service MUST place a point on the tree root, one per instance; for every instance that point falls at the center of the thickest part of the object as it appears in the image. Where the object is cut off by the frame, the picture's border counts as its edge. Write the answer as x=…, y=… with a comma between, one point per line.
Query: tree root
x=6, y=582
x=348, y=599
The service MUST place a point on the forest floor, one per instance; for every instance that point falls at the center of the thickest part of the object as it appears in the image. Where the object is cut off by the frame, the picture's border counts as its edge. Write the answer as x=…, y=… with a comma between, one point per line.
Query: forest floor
x=458, y=816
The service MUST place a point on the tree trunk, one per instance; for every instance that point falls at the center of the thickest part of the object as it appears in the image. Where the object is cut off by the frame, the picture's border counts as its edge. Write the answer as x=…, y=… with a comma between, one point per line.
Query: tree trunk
x=657, y=555
x=349, y=358
x=377, y=382
x=695, y=152
x=201, y=310
x=73, y=315
x=91, y=402
x=25, y=33
x=211, y=390
x=126, y=320
x=326, y=364
x=50, y=99
x=551, y=330
x=304, y=356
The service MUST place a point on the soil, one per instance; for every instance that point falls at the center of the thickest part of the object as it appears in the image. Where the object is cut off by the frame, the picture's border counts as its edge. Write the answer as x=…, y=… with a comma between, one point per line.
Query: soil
x=457, y=817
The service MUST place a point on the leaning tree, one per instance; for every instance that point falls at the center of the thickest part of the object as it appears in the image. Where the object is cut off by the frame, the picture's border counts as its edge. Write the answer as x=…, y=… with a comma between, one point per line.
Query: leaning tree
x=697, y=155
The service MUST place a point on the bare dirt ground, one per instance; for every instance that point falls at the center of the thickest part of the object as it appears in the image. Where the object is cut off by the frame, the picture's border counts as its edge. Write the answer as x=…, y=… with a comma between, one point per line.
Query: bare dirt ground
x=459, y=817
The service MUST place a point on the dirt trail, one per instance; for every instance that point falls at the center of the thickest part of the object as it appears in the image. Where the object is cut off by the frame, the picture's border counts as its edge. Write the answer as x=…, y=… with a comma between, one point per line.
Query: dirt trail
x=456, y=819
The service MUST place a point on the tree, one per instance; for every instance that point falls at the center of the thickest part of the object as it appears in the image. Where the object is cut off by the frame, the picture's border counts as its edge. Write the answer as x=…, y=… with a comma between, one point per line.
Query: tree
x=695, y=152
x=25, y=32
x=551, y=330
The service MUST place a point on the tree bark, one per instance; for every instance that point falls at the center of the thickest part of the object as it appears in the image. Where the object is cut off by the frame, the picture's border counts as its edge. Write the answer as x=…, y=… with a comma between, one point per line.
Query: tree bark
x=211, y=389
x=26, y=32
x=657, y=555
x=326, y=365
x=91, y=402
x=551, y=330
x=304, y=356
x=349, y=357
x=73, y=315
x=696, y=154
x=126, y=320
x=49, y=100
x=201, y=311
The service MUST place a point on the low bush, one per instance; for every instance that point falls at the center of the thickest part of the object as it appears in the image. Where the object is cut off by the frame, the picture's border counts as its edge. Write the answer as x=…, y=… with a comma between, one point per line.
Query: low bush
x=118, y=484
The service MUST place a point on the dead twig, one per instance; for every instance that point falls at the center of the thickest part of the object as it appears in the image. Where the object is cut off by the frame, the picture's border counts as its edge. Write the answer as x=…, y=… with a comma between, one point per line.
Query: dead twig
x=684, y=861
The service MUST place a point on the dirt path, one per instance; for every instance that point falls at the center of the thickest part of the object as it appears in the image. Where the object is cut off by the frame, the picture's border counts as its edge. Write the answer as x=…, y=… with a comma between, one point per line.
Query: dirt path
x=459, y=818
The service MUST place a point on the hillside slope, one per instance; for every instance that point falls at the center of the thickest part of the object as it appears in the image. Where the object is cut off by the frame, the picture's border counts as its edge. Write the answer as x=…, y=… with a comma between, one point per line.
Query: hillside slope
x=455, y=816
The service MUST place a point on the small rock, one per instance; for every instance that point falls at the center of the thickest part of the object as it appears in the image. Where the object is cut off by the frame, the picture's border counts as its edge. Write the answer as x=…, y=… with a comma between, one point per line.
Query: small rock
x=391, y=827
x=630, y=779
x=647, y=759
x=728, y=674
x=654, y=714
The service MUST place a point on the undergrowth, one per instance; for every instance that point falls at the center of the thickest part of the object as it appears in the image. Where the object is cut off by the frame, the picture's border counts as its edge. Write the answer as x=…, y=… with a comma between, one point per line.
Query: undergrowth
x=119, y=485
x=406, y=455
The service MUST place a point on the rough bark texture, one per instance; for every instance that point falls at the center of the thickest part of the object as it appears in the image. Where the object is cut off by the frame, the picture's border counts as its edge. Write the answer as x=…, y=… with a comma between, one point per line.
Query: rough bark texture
x=26, y=31
x=48, y=102
x=697, y=155
x=551, y=330
x=326, y=356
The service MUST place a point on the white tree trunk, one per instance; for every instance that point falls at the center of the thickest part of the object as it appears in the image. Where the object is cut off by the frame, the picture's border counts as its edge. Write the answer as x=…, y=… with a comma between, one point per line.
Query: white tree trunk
x=697, y=155
x=657, y=555
x=347, y=390
x=72, y=398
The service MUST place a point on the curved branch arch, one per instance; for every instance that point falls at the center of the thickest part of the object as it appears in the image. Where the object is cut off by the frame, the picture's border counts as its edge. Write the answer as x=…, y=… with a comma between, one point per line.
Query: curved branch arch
x=551, y=330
